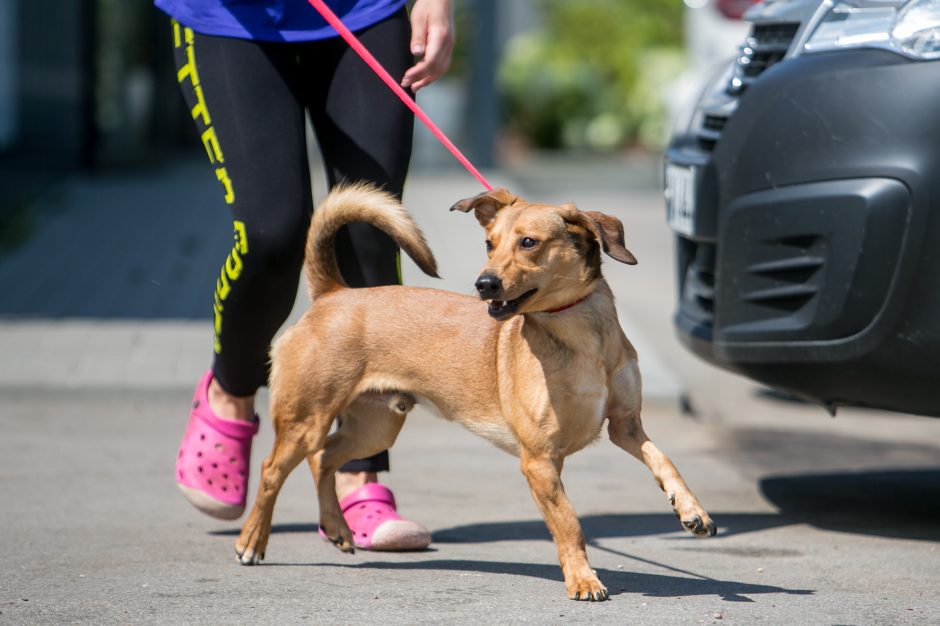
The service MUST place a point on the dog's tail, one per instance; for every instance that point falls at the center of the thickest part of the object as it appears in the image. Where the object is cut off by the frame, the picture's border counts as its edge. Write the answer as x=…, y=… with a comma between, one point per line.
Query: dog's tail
x=359, y=203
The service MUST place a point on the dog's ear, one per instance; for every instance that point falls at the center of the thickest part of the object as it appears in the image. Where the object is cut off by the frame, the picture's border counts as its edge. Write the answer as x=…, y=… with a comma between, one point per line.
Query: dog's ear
x=609, y=230
x=486, y=204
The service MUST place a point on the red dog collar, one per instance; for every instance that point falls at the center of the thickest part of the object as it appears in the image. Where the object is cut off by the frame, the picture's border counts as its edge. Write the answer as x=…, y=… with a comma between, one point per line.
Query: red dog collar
x=568, y=306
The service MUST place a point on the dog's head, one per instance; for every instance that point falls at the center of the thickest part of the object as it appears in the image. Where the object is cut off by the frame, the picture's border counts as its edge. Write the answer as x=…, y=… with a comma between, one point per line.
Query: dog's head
x=541, y=257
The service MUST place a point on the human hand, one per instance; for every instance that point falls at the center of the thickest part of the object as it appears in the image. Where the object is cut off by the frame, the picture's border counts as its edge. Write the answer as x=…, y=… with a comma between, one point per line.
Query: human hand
x=432, y=39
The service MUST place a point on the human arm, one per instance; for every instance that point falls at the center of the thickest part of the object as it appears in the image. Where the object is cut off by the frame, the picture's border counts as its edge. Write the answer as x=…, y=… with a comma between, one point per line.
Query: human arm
x=432, y=40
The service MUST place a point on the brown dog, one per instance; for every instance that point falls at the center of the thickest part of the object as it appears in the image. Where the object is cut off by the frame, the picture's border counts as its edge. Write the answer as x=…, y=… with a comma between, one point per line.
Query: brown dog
x=536, y=374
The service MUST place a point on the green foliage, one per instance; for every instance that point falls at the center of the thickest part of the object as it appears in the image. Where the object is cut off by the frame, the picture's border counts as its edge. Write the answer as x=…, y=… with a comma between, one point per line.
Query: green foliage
x=592, y=74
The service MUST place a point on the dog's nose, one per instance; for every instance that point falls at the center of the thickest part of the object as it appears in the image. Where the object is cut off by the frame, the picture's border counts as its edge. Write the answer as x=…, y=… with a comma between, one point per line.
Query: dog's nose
x=488, y=286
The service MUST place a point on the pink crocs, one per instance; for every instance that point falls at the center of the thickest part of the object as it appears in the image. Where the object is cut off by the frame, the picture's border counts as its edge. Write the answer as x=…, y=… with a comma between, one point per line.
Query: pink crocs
x=212, y=464
x=376, y=525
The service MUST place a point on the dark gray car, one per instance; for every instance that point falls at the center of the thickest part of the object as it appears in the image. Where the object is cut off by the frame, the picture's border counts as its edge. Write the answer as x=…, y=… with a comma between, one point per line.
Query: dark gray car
x=804, y=191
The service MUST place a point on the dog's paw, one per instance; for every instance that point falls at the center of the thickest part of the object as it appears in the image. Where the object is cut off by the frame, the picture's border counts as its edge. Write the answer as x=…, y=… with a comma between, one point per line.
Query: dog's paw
x=248, y=557
x=588, y=589
x=693, y=517
x=342, y=539
x=343, y=544
x=700, y=527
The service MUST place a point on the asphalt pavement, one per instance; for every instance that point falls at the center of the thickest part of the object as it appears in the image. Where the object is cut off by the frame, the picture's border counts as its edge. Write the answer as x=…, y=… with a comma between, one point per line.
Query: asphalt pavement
x=104, y=330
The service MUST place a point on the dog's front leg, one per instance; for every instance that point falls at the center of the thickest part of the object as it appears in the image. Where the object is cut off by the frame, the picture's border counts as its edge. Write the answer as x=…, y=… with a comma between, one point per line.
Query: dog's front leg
x=626, y=430
x=544, y=477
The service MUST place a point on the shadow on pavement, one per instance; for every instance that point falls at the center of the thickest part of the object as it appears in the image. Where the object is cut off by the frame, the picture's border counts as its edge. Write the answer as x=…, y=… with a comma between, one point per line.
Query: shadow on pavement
x=900, y=504
x=616, y=581
x=604, y=526
x=595, y=527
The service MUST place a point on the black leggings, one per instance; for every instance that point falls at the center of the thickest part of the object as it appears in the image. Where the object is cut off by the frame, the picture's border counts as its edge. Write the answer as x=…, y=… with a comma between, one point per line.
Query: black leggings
x=248, y=99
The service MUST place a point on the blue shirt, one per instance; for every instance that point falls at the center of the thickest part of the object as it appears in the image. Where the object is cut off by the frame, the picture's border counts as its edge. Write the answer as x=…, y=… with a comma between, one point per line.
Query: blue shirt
x=274, y=20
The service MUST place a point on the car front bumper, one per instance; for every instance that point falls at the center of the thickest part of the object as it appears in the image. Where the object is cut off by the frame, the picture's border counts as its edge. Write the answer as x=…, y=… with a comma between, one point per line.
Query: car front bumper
x=810, y=257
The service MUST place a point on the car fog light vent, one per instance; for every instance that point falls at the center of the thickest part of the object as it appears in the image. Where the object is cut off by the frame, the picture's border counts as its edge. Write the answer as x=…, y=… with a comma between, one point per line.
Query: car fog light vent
x=710, y=131
x=784, y=297
x=766, y=46
x=796, y=269
x=700, y=290
x=775, y=33
x=707, y=143
x=698, y=285
x=760, y=61
x=788, y=282
x=714, y=122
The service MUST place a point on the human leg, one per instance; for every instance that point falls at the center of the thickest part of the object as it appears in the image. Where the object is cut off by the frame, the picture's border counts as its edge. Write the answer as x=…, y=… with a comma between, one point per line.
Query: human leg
x=242, y=96
x=365, y=134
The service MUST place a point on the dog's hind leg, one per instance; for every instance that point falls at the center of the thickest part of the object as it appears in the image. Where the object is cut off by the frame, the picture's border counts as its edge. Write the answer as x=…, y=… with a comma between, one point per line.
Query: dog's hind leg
x=544, y=477
x=369, y=425
x=290, y=447
x=300, y=427
x=626, y=430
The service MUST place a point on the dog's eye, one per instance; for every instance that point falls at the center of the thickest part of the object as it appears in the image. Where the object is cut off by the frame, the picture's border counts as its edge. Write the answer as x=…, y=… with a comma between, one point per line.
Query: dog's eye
x=528, y=242
x=489, y=245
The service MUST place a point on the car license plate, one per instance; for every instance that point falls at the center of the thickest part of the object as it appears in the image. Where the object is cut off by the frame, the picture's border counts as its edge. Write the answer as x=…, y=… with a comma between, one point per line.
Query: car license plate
x=680, y=198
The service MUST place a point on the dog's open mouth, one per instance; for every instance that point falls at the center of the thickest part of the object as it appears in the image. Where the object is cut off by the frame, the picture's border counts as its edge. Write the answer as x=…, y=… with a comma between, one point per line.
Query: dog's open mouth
x=502, y=309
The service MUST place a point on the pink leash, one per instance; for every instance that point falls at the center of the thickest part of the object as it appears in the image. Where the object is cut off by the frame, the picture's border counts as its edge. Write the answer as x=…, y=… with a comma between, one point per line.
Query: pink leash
x=370, y=60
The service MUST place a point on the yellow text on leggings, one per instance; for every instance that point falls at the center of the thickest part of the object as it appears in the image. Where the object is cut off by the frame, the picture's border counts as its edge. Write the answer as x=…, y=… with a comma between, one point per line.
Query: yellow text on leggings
x=232, y=268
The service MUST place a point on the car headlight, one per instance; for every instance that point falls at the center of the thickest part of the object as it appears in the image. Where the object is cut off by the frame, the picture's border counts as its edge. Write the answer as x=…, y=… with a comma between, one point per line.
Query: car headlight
x=911, y=29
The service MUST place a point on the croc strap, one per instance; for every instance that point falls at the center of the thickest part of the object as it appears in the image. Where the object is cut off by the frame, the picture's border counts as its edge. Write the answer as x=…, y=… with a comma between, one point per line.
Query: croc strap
x=370, y=492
